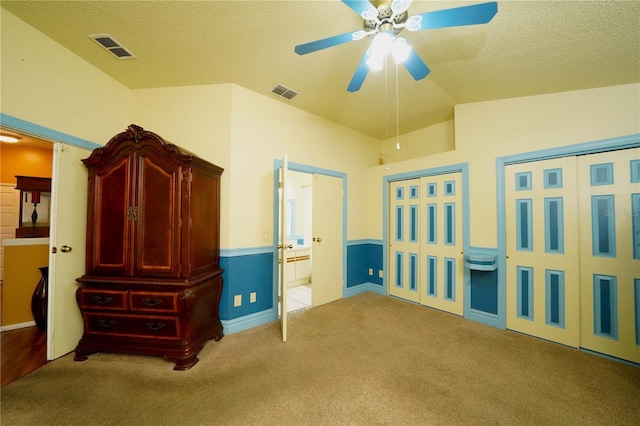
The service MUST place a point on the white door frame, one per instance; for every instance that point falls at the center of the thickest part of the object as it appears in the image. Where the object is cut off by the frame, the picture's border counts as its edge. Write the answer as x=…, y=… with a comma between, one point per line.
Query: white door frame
x=312, y=170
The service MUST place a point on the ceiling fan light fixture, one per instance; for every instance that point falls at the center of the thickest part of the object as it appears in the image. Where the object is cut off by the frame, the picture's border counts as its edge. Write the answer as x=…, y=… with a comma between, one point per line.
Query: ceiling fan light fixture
x=400, y=50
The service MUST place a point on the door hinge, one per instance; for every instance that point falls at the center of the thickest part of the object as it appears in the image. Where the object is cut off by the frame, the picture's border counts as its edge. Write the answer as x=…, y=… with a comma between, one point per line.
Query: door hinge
x=280, y=185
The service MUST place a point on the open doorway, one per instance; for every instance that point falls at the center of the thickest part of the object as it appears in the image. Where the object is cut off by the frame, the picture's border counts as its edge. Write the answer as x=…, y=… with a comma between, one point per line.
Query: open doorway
x=299, y=203
x=24, y=344
x=314, y=236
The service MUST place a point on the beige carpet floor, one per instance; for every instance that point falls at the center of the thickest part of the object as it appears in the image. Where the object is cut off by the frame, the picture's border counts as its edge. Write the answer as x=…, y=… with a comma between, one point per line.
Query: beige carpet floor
x=365, y=360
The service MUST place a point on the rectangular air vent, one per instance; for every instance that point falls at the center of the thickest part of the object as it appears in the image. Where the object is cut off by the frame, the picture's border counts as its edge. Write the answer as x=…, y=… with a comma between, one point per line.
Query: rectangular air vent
x=284, y=91
x=109, y=43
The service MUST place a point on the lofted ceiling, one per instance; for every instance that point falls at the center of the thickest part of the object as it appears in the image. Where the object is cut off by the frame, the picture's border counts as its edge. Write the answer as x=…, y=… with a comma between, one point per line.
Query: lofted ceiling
x=529, y=48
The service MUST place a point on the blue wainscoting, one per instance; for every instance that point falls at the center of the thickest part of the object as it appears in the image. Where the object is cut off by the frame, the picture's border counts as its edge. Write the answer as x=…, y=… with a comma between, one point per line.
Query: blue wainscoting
x=252, y=270
x=246, y=271
x=362, y=255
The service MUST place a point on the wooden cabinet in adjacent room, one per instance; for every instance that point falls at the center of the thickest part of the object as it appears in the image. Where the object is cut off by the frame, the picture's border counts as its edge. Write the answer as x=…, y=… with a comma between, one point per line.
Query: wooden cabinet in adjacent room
x=153, y=279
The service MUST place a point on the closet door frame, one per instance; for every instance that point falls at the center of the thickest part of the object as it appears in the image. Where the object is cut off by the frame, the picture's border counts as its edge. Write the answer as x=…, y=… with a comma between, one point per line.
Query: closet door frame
x=624, y=142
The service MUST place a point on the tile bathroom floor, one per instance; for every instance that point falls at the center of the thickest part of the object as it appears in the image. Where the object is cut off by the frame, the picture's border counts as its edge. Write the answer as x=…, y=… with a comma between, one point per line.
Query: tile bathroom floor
x=298, y=298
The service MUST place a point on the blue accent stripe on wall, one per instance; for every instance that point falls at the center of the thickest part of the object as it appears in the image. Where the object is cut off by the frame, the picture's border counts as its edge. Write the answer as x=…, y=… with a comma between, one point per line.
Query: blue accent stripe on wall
x=450, y=224
x=432, y=275
x=635, y=225
x=399, y=224
x=554, y=298
x=449, y=278
x=413, y=217
x=413, y=272
x=524, y=292
x=524, y=227
x=603, y=226
x=636, y=307
x=432, y=223
x=399, y=265
x=605, y=306
x=554, y=225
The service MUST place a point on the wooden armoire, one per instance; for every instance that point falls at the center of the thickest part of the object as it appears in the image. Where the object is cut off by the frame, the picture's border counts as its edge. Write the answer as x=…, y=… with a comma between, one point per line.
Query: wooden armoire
x=153, y=279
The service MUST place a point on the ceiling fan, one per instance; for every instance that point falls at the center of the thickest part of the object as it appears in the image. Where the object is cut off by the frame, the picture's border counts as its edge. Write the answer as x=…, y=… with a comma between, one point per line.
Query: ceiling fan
x=383, y=21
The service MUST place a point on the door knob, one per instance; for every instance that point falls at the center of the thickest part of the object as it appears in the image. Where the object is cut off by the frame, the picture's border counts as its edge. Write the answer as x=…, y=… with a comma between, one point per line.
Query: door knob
x=319, y=239
x=65, y=249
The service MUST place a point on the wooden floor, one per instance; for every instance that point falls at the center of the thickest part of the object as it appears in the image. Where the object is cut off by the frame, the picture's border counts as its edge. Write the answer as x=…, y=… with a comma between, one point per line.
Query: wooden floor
x=22, y=351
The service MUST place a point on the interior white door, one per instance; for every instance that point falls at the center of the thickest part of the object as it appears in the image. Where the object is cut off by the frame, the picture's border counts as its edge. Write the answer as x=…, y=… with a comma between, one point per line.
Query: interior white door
x=68, y=244
x=543, y=264
x=282, y=248
x=609, y=218
x=327, y=250
x=404, y=239
x=441, y=243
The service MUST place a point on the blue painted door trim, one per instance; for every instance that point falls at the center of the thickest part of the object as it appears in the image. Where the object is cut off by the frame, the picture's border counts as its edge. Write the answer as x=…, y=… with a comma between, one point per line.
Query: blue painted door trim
x=296, y=167
x=604, y=145
x=45, y=133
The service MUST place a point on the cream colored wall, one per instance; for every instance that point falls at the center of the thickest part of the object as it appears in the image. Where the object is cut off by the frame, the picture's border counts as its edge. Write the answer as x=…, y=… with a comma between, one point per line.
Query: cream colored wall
x=45, y=84
x=427, y=141
x=21, y=276
x=196, y=118
x=487, y=130
x=264, y=129
x=243, y=132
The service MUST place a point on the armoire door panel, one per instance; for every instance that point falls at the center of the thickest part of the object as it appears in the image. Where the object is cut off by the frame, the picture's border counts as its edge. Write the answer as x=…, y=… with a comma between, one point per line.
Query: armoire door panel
x=204, y=189
x=157, y=218
x=111, y=220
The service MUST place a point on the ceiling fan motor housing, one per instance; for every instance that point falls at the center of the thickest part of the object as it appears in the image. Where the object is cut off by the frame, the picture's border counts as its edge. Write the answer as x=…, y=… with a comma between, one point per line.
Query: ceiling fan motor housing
x=384, y=17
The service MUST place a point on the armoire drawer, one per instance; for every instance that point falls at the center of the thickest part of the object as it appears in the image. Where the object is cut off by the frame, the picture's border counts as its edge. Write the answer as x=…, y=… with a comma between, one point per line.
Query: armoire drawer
x=155, y=327
x=103, y=299
x=145, y=301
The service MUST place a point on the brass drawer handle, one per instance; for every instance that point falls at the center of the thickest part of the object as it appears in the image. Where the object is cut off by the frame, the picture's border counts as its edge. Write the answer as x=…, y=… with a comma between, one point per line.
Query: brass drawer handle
x=106, y=323
x=102, y=300
x=155, y=327
x=147, y=301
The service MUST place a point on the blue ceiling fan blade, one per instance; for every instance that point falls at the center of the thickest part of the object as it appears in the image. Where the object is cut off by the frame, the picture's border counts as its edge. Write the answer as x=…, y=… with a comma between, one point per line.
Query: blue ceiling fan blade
x=465, y=15
x=416, y=66
x=360, y=75
x=303, y=49
x=358, y=6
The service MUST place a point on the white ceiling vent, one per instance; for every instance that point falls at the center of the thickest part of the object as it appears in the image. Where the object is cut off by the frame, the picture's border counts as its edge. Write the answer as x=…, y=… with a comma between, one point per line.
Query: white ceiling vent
x=113, y=46
x=284, y=91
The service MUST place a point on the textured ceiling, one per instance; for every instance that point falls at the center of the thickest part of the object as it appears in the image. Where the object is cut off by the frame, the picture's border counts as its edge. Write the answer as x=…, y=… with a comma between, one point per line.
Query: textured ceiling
x=529, y=48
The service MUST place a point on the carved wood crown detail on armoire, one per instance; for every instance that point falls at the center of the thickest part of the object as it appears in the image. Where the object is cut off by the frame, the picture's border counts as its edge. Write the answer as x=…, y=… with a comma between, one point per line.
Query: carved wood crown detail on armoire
x=153, y=279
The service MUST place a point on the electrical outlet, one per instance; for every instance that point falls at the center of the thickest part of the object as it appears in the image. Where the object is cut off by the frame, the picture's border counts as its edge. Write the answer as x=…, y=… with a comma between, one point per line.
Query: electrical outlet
x=252, y=297
x=237, y=300
x=380, y=274
x=371, y=271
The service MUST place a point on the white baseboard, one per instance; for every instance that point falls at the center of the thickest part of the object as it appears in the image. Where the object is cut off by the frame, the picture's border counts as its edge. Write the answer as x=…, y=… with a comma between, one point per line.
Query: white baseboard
x=17, y=326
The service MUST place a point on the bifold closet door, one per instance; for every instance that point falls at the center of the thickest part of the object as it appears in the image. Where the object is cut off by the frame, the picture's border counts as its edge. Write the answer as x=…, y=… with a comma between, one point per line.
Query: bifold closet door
x=542, y=291
x=441, y=243
x=609, y=200
x=404, y=239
